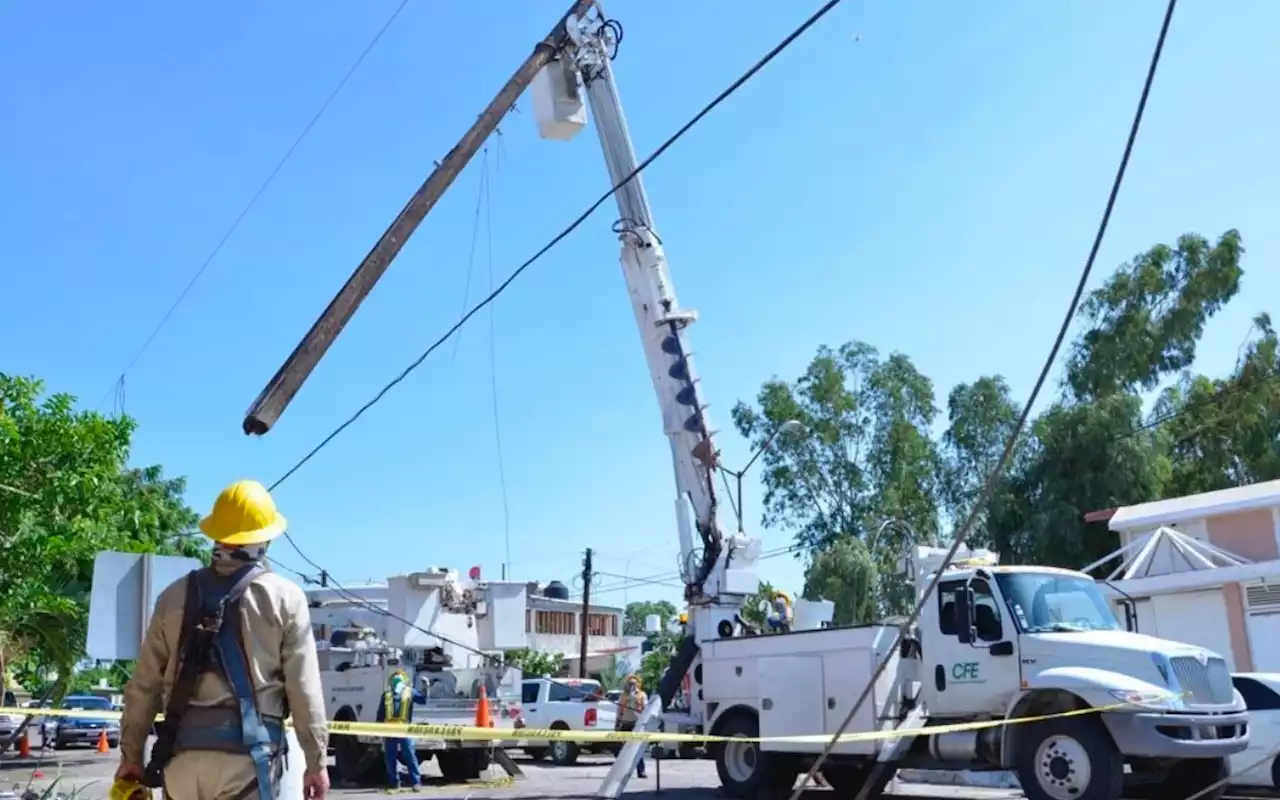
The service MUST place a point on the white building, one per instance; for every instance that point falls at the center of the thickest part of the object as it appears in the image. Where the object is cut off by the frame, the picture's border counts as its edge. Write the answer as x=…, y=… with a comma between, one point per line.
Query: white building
x=553, y=624
x=1204, y=569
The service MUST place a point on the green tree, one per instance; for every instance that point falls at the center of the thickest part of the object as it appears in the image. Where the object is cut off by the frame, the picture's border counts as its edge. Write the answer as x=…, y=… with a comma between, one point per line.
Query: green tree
x=843, y=572
x=635, y=613
x=66, y=494
x=754, y=608
x=536, y=663
x=654, y=663
x=866, y=456
x=1091, y=448
x=981, y=416
x=1226, y=432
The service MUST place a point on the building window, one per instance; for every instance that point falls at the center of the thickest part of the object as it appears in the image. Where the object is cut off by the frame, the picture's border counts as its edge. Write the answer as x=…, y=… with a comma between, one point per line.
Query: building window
x=528, y=620
x=556, y=622
x=602, y=624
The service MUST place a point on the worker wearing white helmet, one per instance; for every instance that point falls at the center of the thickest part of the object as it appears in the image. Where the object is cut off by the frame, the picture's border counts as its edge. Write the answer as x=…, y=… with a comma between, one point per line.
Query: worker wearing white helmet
x=228, y=657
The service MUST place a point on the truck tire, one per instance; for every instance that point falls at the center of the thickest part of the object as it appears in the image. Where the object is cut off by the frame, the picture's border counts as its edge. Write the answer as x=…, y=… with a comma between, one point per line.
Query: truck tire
x=462, y=765
x=744, y=769
x=564, y=753
x=1069, y=758
x=359, y=764
x=848, y=779
x=1184, y=779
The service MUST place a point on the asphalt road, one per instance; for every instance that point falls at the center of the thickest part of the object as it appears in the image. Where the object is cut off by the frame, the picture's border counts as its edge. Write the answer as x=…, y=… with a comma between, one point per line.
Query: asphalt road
x=91, y=772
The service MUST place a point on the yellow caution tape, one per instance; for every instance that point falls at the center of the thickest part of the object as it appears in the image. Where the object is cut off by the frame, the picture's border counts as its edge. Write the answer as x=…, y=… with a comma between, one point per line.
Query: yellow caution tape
x=390, y=730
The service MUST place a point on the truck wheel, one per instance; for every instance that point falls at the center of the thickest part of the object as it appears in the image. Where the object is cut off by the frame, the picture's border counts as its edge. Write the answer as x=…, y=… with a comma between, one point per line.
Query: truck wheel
x=848, y=779
x=743, y=767
x=564, y=754
x=1069, y=759
x=359, y=764
x=1184, y=779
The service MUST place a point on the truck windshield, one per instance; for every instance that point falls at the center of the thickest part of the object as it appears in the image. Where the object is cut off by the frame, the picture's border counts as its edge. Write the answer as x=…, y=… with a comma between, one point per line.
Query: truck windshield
x=1044, y=602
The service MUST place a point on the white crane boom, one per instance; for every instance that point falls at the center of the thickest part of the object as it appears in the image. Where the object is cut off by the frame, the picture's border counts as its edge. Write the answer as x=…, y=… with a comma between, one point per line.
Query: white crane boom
x=719, y=572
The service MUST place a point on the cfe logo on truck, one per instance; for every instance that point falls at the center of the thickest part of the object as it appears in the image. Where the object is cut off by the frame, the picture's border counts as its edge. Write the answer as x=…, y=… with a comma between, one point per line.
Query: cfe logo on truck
x=965, y=672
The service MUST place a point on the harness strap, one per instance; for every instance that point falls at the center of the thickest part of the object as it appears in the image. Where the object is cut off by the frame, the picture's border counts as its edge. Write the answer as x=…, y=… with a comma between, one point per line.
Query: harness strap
x=230, y=656
x=211, y=638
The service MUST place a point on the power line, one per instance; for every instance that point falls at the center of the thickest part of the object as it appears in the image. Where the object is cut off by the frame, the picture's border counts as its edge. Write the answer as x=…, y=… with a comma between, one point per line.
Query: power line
x=118, y=384
x=570, y=228
x=493, y=384
x=994, y=478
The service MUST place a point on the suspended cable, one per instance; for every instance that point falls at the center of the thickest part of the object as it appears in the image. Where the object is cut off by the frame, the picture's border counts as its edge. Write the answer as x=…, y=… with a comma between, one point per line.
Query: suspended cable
x=994, y=478
x=253, y=201
x=475, y=237
x=493, y=384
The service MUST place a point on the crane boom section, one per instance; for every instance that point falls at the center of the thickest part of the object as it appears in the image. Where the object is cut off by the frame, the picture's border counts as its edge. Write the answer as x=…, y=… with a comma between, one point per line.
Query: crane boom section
x=663, y=325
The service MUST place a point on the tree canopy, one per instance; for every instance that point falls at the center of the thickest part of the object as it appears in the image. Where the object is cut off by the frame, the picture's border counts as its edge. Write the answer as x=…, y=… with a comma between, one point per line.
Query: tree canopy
x=634, y=614
x=67, y=492
x=877, y=471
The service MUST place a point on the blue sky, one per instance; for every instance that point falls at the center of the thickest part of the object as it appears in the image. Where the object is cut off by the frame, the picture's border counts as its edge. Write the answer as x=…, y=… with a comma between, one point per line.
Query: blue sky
x=931, y=188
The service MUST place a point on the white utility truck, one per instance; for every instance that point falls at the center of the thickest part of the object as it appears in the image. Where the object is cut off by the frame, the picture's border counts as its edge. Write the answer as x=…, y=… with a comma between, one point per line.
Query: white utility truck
x=451, y=652
x=994, y=644
x=997, y=643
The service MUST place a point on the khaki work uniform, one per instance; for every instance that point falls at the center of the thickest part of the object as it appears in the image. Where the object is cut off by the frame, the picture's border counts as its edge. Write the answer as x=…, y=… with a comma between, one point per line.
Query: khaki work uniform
x=281, y=649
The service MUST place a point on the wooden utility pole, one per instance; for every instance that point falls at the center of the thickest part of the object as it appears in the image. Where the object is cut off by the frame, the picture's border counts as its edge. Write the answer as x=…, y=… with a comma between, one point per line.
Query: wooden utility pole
x=586, y=614
x=279, y=392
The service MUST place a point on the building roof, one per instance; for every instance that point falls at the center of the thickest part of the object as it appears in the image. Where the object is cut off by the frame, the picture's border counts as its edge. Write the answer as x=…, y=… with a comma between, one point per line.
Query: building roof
x=1169, y=561
x=1166, y=551
x=1180, y=509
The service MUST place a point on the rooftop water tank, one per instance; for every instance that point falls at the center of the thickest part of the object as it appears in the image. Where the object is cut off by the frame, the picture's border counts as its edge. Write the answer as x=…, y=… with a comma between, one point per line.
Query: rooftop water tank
x=556, y=591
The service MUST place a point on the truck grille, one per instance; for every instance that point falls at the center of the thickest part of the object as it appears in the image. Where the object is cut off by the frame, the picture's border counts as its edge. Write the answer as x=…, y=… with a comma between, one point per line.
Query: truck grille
x=1208, y=684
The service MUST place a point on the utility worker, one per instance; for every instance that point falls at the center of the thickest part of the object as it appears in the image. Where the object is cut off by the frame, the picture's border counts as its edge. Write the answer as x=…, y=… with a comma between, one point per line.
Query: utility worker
x=229, y=654
x=397, y=706
x=780, y=616
x=630, y=707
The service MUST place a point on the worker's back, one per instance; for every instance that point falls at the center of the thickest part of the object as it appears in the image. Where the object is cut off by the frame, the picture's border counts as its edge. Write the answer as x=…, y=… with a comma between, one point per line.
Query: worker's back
x=269, y=609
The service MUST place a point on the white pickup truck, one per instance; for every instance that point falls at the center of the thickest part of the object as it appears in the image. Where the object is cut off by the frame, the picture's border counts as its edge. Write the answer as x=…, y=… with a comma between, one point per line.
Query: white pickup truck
x=564, y=704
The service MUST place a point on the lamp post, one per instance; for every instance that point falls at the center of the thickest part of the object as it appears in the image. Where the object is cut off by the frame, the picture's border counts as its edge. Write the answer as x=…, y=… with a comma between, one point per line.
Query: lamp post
x=791, y=426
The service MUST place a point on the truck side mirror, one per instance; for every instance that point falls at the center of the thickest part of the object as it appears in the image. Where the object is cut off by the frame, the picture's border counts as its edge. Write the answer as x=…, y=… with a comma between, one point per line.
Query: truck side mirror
x=964, y=615
x=1130, y=617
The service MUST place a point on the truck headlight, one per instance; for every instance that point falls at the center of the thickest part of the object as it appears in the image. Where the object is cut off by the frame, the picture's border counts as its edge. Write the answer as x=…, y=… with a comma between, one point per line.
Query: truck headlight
x=1153, y=700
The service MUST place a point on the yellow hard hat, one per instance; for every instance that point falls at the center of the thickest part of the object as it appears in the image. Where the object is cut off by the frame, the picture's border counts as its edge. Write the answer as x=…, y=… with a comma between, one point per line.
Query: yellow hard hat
x=778, y=594
x=684, y=618
x=244, y=513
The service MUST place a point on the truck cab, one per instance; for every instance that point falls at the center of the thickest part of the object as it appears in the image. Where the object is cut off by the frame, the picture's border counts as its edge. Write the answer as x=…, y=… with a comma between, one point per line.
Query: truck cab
x=1016, y=642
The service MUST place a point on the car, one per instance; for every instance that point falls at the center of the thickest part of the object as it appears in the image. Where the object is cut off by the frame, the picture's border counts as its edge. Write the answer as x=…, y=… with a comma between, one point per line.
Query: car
x=1258, y=766
x=9, y=722
x=63, y=732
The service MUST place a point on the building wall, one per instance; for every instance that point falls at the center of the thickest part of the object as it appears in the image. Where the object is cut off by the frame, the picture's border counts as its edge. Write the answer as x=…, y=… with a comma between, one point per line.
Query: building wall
x=1240, y=651
x=1251, y=534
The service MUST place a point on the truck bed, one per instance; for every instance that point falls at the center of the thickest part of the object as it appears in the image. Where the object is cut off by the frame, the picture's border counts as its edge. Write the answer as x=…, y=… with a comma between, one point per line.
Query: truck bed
x=805, y=683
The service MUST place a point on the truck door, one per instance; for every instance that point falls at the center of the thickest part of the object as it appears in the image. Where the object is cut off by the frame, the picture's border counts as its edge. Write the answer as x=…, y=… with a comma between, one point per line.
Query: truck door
x=971, y=666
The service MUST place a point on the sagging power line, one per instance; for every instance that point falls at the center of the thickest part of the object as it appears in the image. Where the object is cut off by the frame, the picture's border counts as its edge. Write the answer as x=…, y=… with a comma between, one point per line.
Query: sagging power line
x=1011, y=443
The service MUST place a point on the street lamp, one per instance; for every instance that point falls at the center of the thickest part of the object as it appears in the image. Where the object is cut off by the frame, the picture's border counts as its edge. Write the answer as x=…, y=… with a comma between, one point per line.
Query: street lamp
x=789, y=427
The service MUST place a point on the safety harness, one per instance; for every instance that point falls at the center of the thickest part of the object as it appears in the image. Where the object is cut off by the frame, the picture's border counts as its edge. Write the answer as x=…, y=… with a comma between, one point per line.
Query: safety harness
x=211, y=639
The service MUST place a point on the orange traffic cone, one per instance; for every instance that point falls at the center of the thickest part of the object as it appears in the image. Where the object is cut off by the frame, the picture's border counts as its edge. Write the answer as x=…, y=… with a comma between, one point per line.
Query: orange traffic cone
x=102, y=742
x=483, y=718
x=24, y=746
